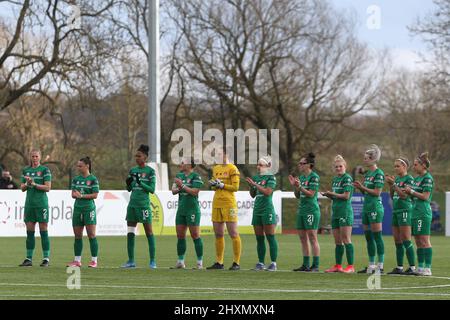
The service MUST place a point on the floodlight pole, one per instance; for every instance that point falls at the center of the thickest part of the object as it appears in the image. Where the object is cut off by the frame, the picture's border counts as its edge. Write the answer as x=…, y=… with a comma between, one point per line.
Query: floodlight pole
x=154, y=114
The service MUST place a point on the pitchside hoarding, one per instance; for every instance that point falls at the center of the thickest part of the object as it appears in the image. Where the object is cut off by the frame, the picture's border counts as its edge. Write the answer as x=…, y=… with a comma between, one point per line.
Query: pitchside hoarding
x=447, y=214
x=111, y=212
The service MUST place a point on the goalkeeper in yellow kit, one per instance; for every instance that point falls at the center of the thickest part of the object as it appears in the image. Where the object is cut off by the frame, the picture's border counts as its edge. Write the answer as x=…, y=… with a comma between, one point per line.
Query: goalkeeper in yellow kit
x=225, y=182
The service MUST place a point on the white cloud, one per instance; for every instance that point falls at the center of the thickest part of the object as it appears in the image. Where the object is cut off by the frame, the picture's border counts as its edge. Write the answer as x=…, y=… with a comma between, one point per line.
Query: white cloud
x=408, y=59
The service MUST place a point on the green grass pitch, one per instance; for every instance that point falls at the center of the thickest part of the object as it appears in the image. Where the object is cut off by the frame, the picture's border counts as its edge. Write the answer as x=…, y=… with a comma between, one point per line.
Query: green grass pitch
x=111, y=282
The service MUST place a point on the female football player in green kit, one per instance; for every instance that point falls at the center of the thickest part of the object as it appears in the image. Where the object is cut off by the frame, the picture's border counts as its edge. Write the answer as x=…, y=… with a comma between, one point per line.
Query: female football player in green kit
x=187, y=185
x=141, y=181
x=401, y=215
x=308, y=215
x=85, y=189
x=421, y=193
x=36, y=181
x=373, y=211
x=342, y=215
x=264, y=217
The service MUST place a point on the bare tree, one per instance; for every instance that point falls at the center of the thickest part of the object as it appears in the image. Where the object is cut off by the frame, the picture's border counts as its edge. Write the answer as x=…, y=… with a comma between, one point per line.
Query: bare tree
x=435, y=30
x=289, y=65
x=414, y=119
x=131, y=26
x=52, y=39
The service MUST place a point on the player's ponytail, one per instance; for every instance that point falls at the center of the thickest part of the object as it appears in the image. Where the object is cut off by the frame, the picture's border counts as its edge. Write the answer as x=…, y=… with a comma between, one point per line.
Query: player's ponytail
x=404, y=161
x=266, y=161
x=374, y=153
x=424, y=159
x=310, y=159
x=340, y=159
x=144, y=149
x=87, y=161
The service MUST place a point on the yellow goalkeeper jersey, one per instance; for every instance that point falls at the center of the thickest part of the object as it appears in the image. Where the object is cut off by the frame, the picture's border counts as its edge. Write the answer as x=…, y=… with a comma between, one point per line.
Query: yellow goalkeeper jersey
x=229, y=175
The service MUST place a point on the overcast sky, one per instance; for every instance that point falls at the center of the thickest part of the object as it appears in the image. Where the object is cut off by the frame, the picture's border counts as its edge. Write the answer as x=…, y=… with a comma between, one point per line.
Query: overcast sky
x=380, y=23
x=390, y=31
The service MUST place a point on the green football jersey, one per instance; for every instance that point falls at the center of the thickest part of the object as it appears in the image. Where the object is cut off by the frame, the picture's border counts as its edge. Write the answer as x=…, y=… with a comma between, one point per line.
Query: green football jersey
x=88, y=185
x=186, y=201
x=40, y=175
x=399, y=204
x=342, y=208
x=373, y=180
x=309, y=205
x=140, y=192
x=422, y=184
x=263, y=204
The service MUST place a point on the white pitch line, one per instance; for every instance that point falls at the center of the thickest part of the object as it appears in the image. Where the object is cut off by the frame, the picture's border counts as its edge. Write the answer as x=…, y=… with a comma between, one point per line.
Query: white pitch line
x=230, y=272
x=242, y=270
x=357, y=290
x=373, y=292
x=105, y=294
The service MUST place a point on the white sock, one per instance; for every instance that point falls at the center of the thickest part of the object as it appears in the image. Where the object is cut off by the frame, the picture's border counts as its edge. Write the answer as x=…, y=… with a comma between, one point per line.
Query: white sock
x=94, y=259
x=78, y=258
x=413, y=268
x=380, y=265
x=400, y=267
x=180, y=261
x=200, y=262
x=273, y=262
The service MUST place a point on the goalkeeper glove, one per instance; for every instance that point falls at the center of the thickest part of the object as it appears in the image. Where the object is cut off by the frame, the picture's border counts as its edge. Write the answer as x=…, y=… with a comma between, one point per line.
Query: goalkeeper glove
x=212, y=183
x=216, y=183
x=220, y=184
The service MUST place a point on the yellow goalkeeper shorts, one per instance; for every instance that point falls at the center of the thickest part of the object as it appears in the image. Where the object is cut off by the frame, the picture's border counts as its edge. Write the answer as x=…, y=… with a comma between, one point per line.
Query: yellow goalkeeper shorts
x=224, y=215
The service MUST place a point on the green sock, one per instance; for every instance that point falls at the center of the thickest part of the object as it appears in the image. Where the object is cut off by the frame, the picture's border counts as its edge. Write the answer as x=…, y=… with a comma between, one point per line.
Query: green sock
x=78, y=247
x=45, y=242
x=409, y=252
x=349, y=252
x=261, y=248
x=399, y=252
x=151, y=247
x=371, y=249
x=420, y=257
x=130, y=246
x=428, y=252
x=181, y=248
x=316, y=261
x=30, y=244
x=93, y=243
x=339, y=253
x=273, y=246
x=306, y=261
x=380, y=245
x=198, y=244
